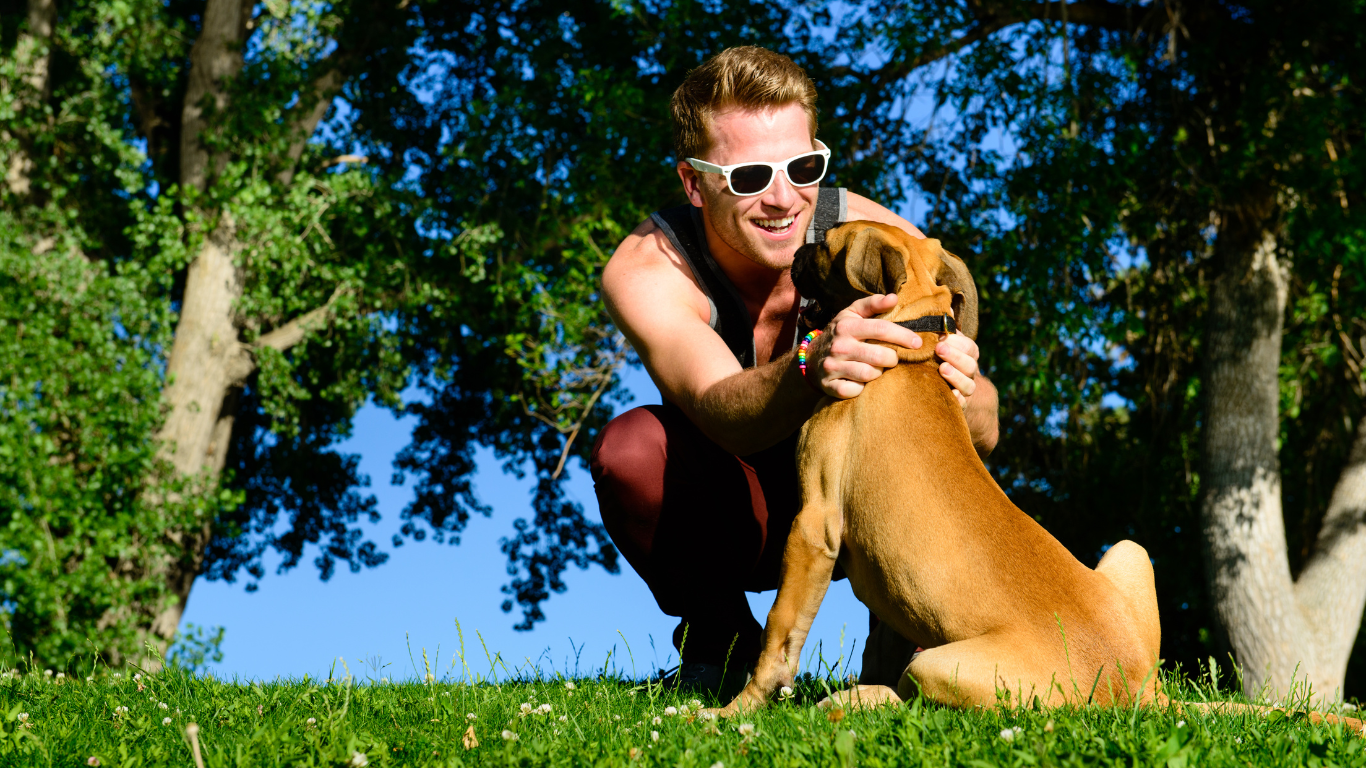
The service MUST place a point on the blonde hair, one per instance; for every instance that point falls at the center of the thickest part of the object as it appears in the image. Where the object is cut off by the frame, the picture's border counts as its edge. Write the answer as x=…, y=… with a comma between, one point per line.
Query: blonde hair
x=746, y=76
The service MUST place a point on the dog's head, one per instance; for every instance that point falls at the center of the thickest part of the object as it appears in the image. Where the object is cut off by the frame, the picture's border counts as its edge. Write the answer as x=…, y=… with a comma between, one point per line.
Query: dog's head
x=862, y=258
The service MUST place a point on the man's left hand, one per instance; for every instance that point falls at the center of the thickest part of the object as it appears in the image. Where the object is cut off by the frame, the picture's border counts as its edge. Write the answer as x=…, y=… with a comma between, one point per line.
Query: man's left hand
x=959, y=368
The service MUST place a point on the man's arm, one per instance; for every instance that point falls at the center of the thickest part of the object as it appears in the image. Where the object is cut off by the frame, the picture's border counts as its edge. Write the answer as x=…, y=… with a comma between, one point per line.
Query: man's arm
x=652, y=297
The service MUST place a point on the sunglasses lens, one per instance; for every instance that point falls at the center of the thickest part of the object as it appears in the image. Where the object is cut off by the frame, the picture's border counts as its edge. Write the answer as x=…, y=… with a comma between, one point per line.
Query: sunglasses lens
x=806, y=170
x=750, y=179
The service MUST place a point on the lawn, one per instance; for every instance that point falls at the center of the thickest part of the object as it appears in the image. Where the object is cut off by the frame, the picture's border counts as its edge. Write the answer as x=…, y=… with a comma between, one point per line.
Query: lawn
x=129, y=719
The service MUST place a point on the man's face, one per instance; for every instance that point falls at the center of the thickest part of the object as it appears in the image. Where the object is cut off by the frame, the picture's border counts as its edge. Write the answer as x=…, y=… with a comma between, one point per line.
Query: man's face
x=767, y=228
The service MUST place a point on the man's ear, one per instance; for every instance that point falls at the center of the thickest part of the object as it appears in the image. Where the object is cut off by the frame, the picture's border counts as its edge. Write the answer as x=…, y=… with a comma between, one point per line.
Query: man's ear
x=692, y=183
x=873, y=263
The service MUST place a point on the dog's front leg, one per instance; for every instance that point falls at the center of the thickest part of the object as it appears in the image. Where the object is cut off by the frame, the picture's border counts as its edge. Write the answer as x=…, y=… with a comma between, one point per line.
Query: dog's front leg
x=808, y=562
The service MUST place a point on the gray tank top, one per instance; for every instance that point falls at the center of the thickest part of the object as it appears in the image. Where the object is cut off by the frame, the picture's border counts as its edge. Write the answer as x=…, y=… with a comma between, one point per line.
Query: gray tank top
x=729, y=316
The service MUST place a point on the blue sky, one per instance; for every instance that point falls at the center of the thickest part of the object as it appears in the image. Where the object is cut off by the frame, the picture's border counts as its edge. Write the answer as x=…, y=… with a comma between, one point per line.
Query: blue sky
x=295, y=624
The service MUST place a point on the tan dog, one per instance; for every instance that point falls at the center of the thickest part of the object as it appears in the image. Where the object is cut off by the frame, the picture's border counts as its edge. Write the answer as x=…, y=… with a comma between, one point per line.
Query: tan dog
x=893, y=489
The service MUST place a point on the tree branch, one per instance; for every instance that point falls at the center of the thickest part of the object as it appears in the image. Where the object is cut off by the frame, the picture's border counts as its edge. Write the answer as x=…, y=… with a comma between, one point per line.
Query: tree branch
x=1332, y=587
x=295, y=330
x=309, y=112
x=215, y=58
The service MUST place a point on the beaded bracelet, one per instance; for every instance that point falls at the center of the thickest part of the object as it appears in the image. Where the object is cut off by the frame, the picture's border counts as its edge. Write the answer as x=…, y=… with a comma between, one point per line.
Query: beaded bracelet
x=801, y=350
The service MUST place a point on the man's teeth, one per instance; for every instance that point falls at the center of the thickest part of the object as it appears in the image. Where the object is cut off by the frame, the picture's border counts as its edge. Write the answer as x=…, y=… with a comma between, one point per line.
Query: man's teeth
x=776, y=223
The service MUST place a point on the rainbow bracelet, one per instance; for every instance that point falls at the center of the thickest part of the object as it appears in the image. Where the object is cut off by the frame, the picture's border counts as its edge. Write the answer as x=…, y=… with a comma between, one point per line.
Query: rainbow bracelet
x=801, y=351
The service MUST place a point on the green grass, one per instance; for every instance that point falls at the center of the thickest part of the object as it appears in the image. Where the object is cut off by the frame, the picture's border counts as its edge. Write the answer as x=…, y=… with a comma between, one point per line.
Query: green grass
x=604, y=720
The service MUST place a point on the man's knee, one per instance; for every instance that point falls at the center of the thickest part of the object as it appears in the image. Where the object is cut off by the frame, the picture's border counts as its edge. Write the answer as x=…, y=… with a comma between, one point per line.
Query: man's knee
x=630, y=448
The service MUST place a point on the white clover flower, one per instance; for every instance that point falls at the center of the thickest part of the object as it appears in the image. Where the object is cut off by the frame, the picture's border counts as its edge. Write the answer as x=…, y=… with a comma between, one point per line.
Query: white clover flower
x=445, y=693
x=785, y=692
x=695, y=703
x=120, y=710
x=718, y=764
x=137, y=677
x=544, y=708
x=162, y=705
x=61, y=675
x=526, y=708
x=1238, y=739
x=91, y=679
x=509, y=736
x=563, y=718
x=471, y=716
x=118, y=674
x=165, y=721
x=654, y=735
x=616, y=717
x=311, y=721
x=1180, y=723
x=746, y=729
x=92, y=760
x=1009, y=734
x=670, y=711
x=707, y=715
x=358, y=760
x=23, y=717
x=47, y=673
x=656, y=720
x=683, y=710
x=569, y=685
x=384, y=679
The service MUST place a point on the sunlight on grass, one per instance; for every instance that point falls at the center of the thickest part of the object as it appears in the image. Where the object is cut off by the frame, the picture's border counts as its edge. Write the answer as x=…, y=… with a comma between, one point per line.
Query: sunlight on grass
x=530, y=715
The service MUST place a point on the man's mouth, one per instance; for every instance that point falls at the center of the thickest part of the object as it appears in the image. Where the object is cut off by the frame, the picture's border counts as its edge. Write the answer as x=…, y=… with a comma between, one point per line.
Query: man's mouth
x=776, y=226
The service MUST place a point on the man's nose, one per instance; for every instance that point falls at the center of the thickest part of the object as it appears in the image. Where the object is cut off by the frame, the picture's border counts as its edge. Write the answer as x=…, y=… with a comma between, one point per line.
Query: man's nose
x=781, y=194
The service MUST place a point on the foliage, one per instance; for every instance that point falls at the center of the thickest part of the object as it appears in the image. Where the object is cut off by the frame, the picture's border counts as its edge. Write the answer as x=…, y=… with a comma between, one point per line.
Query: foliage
x=604, y=720
x=80, y=393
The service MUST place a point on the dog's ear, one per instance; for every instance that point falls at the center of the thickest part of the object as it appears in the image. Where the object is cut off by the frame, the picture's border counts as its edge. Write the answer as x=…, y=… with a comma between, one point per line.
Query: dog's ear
x=953, y=274
x=873, y=263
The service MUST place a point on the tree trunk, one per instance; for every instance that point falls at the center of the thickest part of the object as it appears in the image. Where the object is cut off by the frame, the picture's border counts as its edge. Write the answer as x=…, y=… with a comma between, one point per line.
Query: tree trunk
x=33, y=55
x=207, y=362
x=1282, y=633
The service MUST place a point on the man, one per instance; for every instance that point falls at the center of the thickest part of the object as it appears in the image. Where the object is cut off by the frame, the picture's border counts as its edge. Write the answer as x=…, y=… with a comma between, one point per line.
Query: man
x=699, y=493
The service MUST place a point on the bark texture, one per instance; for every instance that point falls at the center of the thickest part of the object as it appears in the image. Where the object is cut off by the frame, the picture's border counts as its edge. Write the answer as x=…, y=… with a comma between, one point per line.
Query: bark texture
x=1283, y=633
x=33, y=54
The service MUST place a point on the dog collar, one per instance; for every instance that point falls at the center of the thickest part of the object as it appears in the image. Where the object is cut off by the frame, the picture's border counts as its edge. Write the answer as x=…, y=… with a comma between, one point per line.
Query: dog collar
x=931, y=324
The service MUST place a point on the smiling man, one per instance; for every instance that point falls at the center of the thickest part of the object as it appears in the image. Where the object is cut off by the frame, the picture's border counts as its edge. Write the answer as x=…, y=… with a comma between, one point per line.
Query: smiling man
x=699, y=493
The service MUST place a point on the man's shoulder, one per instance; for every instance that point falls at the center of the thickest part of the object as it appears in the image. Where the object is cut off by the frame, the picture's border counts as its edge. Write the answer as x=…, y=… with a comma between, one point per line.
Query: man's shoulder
x=648, y=263
x=863, y=209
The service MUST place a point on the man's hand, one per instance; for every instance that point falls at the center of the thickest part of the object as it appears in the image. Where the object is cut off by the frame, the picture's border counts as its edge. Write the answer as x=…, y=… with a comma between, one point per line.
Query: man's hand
x=842, y=362
x=959, y=368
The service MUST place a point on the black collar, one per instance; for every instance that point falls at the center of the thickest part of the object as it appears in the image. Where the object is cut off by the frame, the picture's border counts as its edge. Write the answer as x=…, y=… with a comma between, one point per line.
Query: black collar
x=931, y=324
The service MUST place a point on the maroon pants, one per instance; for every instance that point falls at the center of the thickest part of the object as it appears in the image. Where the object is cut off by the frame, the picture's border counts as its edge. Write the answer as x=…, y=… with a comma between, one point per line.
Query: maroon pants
x=700, y=526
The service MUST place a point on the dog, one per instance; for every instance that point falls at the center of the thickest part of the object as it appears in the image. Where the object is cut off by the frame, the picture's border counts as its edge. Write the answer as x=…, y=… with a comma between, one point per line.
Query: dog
x=979, y=605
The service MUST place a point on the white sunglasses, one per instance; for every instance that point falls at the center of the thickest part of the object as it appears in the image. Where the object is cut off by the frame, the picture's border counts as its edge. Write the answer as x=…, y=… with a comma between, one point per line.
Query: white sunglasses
x=749, y=179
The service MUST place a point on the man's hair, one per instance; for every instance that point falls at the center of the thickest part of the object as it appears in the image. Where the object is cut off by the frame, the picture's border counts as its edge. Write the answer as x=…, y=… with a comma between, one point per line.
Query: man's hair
x=748, y=77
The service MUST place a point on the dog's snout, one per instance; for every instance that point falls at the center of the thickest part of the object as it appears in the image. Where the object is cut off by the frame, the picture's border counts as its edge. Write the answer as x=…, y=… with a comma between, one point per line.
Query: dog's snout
x=802, y=275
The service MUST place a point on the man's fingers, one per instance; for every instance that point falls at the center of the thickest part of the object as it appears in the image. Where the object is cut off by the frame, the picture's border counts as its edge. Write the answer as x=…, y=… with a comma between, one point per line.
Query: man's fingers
x=868, y=306
x=956, y=355
x=852, y=349
x=876, y=330
x=958, y=380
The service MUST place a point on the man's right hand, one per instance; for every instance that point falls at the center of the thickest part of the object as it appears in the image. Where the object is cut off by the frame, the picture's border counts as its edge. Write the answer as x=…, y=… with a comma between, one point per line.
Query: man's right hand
x=841, y=362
